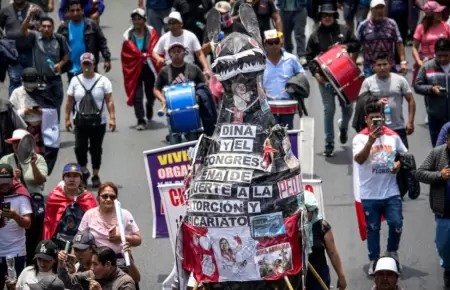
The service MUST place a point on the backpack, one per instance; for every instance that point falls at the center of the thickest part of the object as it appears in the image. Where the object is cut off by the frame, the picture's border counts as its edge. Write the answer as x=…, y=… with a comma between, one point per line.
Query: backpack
x=88, y=113
x=68, y=225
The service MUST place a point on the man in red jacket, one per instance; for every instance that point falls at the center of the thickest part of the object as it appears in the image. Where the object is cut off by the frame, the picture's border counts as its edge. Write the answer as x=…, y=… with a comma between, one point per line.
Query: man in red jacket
x=15, y=216
x=66, y=206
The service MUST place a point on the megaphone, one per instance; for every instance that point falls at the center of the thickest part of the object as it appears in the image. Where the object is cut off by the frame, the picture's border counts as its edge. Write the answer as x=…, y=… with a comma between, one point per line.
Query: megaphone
x=25, y=149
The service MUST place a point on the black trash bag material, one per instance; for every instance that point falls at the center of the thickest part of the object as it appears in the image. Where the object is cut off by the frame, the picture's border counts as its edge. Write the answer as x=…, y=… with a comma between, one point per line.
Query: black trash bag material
x=406, y=178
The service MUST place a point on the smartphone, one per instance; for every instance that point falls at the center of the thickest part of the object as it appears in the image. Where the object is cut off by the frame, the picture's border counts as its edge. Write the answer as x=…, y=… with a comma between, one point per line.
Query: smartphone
x=6, y=206
x=376, y=122
x=71, y=259
x=35, y=108
x=442, y=90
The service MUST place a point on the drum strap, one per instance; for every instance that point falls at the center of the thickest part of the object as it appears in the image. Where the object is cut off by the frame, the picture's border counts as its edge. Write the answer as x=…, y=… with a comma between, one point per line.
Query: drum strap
x=170, y=74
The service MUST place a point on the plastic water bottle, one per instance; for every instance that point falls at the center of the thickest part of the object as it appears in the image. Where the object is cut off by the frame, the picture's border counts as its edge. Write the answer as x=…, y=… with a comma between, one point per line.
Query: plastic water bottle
x=11, y=268
x=200, y=25
x=51, y=65
x=387, y=115
x=390, y=164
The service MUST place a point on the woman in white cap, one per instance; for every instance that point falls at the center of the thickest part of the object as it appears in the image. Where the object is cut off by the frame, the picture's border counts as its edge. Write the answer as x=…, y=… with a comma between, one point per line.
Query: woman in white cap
x=386, y=274
x=322, y=239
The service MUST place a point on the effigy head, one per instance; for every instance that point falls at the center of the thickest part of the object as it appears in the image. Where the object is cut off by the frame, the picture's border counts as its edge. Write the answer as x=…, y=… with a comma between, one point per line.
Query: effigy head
x=238, y=54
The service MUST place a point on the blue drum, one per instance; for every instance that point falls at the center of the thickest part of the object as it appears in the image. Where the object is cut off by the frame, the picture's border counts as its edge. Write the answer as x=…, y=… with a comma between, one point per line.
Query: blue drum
x=182, y=108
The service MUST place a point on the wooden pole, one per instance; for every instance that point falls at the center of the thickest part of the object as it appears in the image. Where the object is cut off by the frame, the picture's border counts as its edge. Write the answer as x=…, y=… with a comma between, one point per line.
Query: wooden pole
x=195, y=285
x=288, y=283
x=311, y=268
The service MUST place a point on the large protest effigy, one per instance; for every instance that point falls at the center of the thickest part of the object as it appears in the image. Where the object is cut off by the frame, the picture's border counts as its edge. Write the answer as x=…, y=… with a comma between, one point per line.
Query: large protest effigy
x=245, y=198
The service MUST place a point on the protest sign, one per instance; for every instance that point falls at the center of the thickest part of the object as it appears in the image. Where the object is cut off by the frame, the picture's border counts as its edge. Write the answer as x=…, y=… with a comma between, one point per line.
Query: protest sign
x=175, y=207
x=169, y=165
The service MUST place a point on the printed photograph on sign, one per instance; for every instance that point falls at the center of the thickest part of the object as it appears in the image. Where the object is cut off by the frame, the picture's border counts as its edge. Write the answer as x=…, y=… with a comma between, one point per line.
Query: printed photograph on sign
x=218, y=222
x=235, y=160
x=234, y=252
x=235, y=207
x=274, y=260
x=267, y=225
x=242, y=131
x=291, y=161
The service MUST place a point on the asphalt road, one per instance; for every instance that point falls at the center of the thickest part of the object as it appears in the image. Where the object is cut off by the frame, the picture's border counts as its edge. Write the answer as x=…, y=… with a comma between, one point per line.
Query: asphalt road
x=123, y=164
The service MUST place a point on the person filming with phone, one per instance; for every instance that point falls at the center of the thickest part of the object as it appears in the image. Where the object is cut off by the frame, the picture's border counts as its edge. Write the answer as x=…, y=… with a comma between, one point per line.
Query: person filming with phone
x=374, y=152
x=432, y=82
x=15, y=216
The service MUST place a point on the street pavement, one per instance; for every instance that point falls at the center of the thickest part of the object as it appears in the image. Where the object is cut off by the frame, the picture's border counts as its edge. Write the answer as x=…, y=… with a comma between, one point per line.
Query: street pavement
x=124, y=165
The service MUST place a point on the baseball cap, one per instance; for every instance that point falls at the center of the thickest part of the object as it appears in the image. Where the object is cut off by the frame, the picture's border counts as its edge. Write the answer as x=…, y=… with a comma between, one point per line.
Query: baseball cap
x=271, y=34
x=433, y=6
x=30, y=78
x=46, y=250
x=223, y=7
x=87, y=57
x=175, y=15
x=17, y=135
x=51, y=282
x=386, y=264
x=140, y=12
x=83, y=240
x=72, y=168
x=175, y=44
x=6, y=174
x=375, y=3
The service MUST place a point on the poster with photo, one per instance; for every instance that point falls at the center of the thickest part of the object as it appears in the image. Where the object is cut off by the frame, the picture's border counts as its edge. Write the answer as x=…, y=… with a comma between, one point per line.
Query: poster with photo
x=274, y=260
x=267, y=225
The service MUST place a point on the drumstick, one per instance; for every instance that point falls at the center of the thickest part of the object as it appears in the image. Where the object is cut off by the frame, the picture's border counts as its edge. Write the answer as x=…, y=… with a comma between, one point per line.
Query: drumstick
x=195, y=285
x=319, y=279
x=119, y=215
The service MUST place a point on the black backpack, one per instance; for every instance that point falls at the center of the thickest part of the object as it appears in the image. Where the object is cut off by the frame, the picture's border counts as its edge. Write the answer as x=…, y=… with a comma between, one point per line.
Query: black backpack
x=68, y=225
x=88, y=113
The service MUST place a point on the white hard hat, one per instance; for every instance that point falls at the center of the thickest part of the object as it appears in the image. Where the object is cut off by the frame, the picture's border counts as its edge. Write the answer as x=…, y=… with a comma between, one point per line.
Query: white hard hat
x=387, y=264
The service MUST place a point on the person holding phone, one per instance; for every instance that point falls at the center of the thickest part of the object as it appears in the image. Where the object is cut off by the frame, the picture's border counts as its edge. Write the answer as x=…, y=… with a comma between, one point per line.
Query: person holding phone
x=432, y=82
x=15, y=216
x=374, y=152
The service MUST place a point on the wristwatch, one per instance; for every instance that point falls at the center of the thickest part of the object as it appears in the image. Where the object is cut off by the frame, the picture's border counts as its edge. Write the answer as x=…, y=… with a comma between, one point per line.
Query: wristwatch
x=404, y=62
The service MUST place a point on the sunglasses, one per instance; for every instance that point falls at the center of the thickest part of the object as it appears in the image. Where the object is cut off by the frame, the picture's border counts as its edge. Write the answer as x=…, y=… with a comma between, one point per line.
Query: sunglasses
x=327, y=15
x=273, y=42
x=108, y=196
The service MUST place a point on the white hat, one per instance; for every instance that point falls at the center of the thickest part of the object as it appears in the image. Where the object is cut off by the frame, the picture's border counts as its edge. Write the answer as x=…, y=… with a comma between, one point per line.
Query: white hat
x=140, y=12
x=223, y=7
x=387, y=264
x=174, y=15
x=17, y=135
x=375, y=3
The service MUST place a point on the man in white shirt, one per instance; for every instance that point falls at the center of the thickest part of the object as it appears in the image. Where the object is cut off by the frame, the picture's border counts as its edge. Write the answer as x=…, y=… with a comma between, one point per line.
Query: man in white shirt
x=374, y=151
x=393, y=88
x=15, y=217
x=177, y=34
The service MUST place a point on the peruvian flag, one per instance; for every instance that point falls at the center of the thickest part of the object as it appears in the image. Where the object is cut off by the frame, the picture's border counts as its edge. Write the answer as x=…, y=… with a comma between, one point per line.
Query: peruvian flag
x=360, y=216
x=231, y=254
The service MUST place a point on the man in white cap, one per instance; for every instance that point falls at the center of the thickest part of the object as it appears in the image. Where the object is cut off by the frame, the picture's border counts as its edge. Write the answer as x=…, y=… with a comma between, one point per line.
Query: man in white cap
x=380, y=34
x=280, y=67
x=386, y=274
x=177, y=34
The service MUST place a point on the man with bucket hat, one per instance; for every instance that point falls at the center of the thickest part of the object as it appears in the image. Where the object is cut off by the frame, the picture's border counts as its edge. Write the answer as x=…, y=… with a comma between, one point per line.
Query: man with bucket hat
x=327, y=33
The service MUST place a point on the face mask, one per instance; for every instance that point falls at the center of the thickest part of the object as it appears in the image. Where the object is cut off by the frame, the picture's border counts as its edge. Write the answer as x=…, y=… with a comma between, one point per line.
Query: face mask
x=226, y=20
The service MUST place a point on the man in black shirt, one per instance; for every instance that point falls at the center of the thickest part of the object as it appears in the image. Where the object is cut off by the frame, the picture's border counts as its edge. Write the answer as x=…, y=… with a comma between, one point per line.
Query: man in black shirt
x=177, y=72
x=265, y=10
x=227, y=25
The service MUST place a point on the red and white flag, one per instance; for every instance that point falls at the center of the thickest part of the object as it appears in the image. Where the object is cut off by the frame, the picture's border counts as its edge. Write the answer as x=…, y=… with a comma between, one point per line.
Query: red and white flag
x=231, y=254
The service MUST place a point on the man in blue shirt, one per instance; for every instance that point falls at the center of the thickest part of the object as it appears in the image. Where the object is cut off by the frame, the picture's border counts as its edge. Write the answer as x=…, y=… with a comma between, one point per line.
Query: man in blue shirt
x=91, y=8
x=280, y=67
x=157, y=11
x=84, y=35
